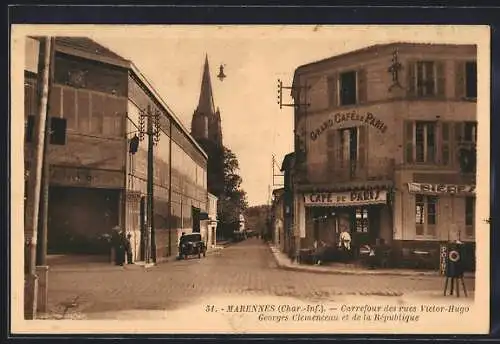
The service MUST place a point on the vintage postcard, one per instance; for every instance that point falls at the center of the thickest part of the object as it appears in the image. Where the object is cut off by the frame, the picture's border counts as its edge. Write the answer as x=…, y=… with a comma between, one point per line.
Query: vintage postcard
x=250, y=179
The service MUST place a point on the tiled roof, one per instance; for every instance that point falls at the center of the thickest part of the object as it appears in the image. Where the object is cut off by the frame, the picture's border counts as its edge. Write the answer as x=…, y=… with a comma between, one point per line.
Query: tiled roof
x=377, y=47
x=88, y=46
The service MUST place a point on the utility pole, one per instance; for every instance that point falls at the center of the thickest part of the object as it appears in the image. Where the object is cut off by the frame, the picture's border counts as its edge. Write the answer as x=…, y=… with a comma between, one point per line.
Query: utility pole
x=170, y=189
x=150, y=177
x=35, y=179
x=152, y=130
x=296, y=105
x=41, y=257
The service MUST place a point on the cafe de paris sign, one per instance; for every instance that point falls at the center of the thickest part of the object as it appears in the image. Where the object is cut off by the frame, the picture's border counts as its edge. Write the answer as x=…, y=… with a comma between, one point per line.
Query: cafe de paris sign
x=346, y=199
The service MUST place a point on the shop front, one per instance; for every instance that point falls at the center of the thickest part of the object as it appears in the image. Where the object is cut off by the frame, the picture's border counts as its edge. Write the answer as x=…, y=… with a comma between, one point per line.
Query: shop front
x=432, y=215
x=364, y=214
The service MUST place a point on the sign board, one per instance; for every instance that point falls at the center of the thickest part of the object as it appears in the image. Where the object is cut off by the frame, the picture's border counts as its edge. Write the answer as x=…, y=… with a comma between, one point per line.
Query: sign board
x=346, y=199
x=454, y=260
x=441, y=189
x=93, y=178
x=443, y=258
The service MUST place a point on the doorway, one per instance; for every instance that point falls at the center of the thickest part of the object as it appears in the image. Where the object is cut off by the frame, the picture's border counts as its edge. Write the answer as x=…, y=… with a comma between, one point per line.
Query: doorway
x=366, y=224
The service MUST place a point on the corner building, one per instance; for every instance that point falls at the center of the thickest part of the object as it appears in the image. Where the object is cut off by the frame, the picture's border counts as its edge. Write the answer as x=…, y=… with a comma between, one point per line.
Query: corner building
x=386, y=148
x=95, y=183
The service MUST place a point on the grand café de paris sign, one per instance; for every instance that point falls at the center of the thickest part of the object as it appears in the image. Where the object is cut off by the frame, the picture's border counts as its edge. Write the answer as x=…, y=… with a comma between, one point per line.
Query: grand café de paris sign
x=340, y=117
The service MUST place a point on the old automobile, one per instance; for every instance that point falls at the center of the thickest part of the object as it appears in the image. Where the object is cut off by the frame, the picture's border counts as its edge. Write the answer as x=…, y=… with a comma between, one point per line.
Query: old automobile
x=192, y=245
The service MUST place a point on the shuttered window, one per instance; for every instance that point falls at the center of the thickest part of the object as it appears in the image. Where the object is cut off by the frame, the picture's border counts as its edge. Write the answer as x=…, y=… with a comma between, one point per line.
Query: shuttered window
x=411, y=79
x=445, y=143
x=408, y=134
x=440, y=79
x=459, y=79
x=466, y=79
x=332, y=90
x=428, y=142
x=331, y=149
x=362, y=141
x=362, y=86
x=426, y=79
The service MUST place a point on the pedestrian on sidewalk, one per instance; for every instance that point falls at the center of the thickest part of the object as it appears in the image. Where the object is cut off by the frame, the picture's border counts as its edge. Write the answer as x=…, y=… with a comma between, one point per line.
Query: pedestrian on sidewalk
x=128, y=249
x=180, y=245
x=117, y=242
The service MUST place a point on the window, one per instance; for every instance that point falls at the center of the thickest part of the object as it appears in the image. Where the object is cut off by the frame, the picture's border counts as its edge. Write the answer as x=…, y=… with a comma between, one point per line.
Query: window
x=426, y=79
x=425, y=215
x=348, y=88
x=466, y=136
x=471, y=79
x=349, y=144
x=349, y=149
x=426, y=85
x=425, y=142
x=361, y=220
x=469, y=134
x=470, y=209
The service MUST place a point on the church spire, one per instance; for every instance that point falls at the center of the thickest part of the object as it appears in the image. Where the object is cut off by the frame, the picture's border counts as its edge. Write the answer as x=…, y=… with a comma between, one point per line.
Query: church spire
x=206, y=101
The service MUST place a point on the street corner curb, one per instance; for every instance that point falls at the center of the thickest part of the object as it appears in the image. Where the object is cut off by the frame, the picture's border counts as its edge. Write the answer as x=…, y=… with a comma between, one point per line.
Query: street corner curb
x=311, y=269
x=142, y=265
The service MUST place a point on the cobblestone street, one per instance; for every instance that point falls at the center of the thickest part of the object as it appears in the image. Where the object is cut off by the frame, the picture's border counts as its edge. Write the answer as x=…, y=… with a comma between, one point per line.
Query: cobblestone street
x=246, y=268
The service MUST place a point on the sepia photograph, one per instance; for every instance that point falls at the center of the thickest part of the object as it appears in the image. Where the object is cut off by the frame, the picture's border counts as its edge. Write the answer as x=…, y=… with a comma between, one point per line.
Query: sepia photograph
x=247, y=179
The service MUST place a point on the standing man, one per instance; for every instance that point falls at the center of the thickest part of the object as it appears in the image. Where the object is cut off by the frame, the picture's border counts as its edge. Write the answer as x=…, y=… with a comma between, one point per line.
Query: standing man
x=181, y=242
x=128, y=249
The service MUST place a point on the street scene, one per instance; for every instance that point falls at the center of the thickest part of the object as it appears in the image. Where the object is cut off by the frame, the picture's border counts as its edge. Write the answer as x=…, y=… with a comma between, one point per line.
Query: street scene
x=246, y=268
x=218, y=180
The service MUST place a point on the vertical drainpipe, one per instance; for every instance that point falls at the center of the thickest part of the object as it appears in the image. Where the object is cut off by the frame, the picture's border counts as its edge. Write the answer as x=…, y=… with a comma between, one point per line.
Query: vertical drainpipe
x=170, y=189
x=123, y=218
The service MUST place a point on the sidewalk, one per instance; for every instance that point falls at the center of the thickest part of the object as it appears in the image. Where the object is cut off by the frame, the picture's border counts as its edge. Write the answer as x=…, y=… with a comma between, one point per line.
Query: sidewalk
x=83, y=263
x=285, y=263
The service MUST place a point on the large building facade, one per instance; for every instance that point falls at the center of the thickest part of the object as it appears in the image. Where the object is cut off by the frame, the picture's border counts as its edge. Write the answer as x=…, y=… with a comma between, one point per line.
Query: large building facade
x=385, y=148
x=95, y=182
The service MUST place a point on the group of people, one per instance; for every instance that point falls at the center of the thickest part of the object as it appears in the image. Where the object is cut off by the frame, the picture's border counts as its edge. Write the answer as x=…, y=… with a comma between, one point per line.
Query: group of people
x=122, y=247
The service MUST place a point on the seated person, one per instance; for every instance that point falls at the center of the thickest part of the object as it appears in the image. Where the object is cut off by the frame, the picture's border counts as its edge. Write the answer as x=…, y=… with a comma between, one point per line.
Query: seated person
x=319, y=252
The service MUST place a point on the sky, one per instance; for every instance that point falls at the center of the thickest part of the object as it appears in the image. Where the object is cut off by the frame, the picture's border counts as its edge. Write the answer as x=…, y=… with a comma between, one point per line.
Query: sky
x=254, y=58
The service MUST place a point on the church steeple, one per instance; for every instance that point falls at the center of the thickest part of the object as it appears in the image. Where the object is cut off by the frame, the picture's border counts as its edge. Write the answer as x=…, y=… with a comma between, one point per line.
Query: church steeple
x=206, y=122
x=206, y=101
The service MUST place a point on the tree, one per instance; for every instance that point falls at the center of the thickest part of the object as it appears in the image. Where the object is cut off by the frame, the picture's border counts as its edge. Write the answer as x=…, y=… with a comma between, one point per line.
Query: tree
x=215, y=166
x=233, y=200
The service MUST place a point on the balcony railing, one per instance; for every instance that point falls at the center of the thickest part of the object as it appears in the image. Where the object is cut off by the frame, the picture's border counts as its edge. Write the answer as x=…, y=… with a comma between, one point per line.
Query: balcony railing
x=342, y=171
